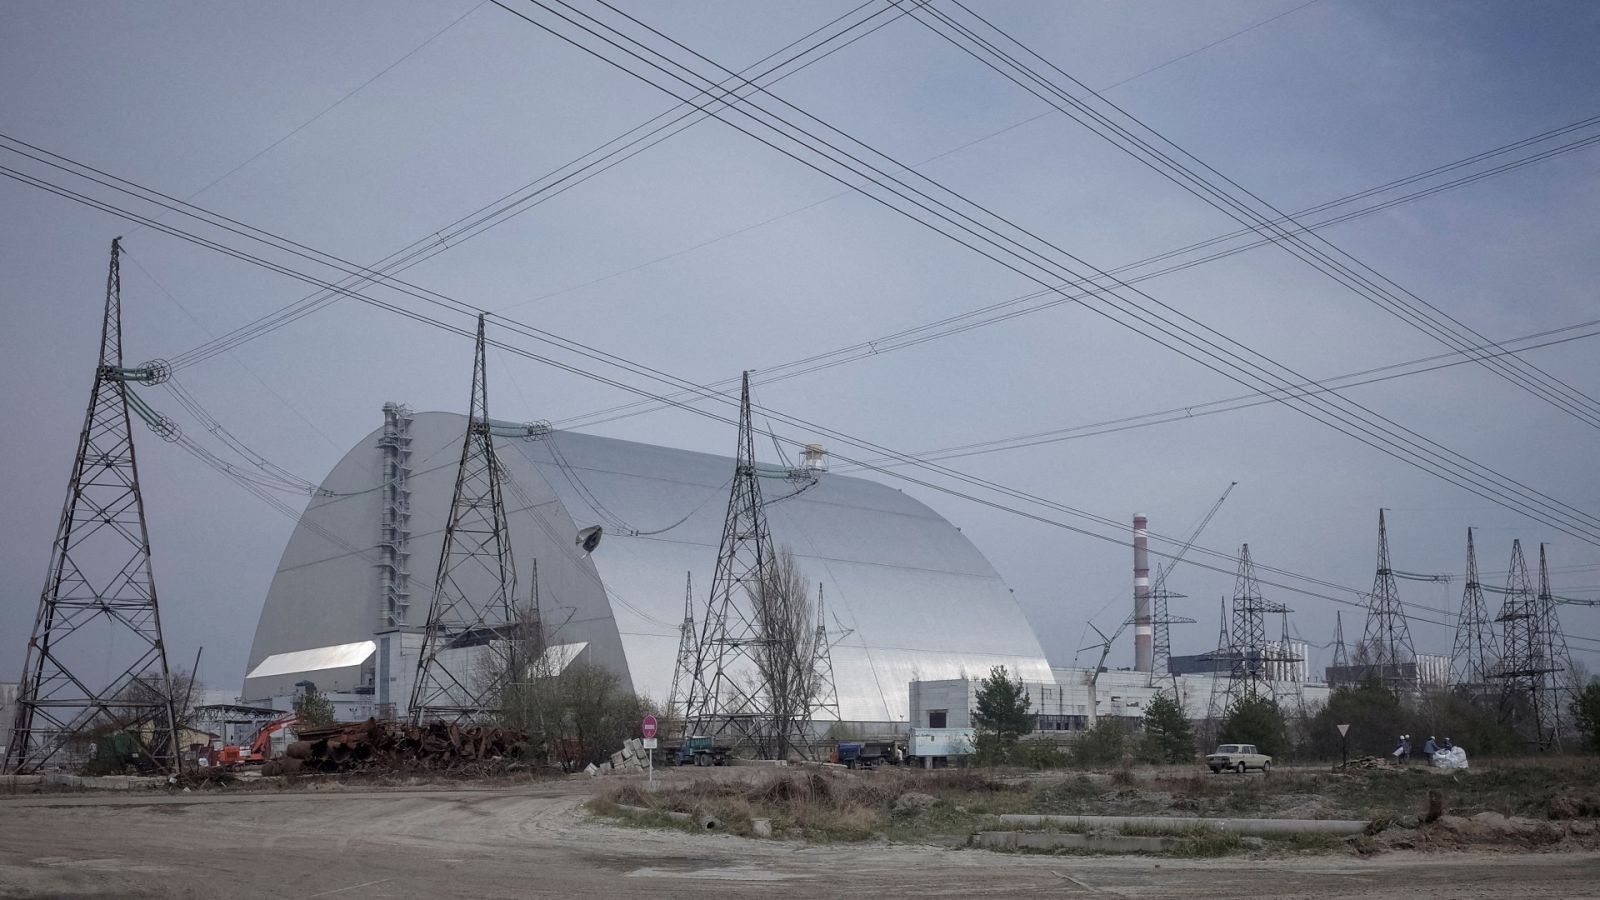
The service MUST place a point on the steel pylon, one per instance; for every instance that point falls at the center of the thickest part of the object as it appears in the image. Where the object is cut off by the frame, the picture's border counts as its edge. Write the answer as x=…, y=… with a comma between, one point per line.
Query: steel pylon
x=472, y=627
x=684, y=671
x=1385, y=646
x=1341, y=653
x=1252, y=655
x=1476, y=651
x=730, y=691
x=96, y=670
x=1524, y=665
x=1554, y=722
x=824, y=695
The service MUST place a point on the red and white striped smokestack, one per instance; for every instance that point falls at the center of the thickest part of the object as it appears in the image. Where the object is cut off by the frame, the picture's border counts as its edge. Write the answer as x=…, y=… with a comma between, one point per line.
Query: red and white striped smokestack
x=1143, y=626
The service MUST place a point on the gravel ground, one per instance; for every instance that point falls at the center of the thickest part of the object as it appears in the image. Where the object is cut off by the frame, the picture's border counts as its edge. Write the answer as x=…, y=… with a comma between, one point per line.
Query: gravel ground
x=536, y=841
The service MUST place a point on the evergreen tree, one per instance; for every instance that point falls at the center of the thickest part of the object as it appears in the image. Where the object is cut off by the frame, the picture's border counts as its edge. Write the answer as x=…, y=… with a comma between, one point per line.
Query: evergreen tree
x=1255, y=720
x=1103, y=744
x=1586, y=715
x=1168, y=730
x=1003, y=715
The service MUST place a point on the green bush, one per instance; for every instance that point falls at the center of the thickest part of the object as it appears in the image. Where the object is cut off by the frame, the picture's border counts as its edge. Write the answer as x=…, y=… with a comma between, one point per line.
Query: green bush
x=1255, y=720
x=1102, y=745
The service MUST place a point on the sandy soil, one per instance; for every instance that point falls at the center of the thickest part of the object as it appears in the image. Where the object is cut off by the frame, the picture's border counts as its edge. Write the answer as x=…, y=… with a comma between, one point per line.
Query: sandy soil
x=536, y=841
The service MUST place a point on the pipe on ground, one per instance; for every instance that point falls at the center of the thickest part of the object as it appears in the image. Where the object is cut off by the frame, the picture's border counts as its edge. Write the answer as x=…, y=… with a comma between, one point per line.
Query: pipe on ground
x=1237, y=826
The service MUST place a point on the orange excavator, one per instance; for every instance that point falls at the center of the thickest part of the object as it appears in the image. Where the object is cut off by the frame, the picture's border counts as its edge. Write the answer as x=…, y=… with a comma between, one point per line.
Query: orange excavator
x=260, y=748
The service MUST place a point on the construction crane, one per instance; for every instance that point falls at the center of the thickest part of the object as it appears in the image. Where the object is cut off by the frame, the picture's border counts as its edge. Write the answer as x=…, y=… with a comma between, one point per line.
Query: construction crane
x=1106, y=642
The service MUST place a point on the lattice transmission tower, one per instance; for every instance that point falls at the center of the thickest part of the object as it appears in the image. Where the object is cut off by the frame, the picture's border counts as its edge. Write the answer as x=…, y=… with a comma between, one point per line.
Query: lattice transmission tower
x=472, y=627
x=824, y=696
x=1475, y=652
x=1554, y=723
x=750, y=678
x=1251, y=656
x=96, y=666
x=1341, y=653
x=1161, y=623
x=1386, y=642
x=1524, y=665
x=684, y=670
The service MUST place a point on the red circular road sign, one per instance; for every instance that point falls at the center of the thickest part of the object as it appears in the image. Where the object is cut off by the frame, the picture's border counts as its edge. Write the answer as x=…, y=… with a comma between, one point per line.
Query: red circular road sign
x=649, y=727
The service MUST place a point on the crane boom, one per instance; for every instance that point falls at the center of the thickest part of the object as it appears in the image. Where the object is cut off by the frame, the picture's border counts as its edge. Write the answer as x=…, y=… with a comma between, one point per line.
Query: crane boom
x=1169, y=565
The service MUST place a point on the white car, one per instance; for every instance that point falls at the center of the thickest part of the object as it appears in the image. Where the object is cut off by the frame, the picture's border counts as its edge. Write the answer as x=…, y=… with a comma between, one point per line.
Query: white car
x=1238, y=758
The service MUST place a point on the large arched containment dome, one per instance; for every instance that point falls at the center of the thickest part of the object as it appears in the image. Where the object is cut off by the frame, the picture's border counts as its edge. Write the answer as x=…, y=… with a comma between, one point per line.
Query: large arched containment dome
x=907, y=595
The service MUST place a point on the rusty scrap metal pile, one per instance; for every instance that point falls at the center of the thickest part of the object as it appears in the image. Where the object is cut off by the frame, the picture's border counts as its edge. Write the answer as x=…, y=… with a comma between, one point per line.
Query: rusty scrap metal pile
x=395, y=745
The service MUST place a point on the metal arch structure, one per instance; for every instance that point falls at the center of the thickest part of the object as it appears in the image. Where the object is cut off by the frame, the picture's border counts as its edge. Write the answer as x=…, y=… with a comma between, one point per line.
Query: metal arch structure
x=472, y=619
x=875, y=549
x=100, y=588
x=1386, y=641
x=1476, y=651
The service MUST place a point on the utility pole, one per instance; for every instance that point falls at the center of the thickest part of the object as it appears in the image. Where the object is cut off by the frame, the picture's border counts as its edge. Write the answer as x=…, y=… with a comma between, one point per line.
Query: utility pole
x=472, y=617
x=83, y=676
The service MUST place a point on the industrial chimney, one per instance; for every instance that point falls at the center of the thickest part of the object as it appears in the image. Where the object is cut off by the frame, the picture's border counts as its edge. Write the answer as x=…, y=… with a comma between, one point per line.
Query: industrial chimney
x=1143, y=625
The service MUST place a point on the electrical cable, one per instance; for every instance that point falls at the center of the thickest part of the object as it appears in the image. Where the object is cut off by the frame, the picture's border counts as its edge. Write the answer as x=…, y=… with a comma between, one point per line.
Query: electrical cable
x=1005, y=310
x=1351, y=419
x=536, y=192
x=271, y=266
x=1332, y=261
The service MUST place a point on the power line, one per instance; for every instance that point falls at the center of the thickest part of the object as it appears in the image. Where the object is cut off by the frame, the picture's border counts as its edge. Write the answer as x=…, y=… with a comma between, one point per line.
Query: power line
x=1114, y=539
x=1240, y=203
x=335, y=104
x=1020, y=250
x=549, y=186
x=634, y=368
x=1245, y=401
x=1050, y=298
x=589, y=353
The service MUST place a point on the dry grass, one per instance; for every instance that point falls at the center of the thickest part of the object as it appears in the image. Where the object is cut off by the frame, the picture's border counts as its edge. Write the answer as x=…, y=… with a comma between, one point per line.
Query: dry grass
x=831, y=805
x=828, y=805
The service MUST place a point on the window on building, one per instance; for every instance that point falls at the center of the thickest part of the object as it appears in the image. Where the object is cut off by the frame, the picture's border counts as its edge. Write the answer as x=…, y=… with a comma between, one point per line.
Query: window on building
x=938, y=717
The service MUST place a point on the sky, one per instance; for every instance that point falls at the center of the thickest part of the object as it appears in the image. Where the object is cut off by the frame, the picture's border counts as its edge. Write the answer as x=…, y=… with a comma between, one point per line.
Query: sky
x=358, y=128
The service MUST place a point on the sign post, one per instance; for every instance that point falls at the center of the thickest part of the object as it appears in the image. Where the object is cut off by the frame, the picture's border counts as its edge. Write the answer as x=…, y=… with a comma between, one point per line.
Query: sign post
x=648, y=729
x=1344, y=744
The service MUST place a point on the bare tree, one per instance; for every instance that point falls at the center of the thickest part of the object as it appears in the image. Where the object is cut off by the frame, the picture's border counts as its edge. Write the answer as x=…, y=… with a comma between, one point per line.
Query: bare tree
x=786, y=658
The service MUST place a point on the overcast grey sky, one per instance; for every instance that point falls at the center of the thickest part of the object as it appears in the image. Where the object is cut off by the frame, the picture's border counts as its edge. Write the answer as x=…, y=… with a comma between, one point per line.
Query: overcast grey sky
x=1323, y=100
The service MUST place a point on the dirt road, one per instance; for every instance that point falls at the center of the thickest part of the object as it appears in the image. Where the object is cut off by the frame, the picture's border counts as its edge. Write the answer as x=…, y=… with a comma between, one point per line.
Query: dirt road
x=536, y=841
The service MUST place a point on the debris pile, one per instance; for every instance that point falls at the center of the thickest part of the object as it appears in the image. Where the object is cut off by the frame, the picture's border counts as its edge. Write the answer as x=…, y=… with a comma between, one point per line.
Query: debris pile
x=1365, y=762
x=633, y=757
x=393, y=745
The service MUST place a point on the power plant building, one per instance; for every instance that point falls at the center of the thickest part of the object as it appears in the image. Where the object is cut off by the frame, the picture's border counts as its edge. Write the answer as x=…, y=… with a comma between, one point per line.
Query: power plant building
x=908, y=597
